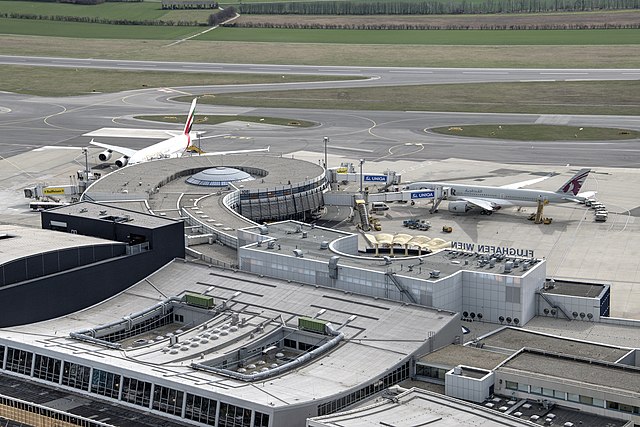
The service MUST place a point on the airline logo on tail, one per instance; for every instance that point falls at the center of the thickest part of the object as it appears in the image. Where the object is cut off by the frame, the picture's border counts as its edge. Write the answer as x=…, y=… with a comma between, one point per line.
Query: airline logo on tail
x=190, y=117
x=574, y=184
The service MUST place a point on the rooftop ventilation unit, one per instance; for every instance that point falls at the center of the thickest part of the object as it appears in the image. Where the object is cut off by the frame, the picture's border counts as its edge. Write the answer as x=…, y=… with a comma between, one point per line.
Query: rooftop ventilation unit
x=304, y=234
x=324, y=245
x=264, y=229
x=508, y=266
x=387, y=260
x=435, y=274
x=271, y=244
x=298, y=253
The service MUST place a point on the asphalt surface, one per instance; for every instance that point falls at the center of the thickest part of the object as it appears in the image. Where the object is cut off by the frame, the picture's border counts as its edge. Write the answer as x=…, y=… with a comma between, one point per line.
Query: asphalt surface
x=28, y=122
x=394, y=140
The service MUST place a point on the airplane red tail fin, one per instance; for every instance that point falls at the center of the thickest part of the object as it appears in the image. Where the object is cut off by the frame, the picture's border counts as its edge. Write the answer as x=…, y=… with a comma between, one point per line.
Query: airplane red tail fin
x=190, y=117
x=574, y=184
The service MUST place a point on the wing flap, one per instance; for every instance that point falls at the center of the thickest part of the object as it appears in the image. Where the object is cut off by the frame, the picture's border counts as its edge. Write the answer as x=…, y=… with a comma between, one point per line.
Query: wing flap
x=481, y=203
x=222, y=153
x=521, y=184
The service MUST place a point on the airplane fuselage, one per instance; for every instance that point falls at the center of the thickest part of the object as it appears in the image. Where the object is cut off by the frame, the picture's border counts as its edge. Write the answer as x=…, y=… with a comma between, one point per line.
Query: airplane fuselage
x=498, y=196
x=172, y=147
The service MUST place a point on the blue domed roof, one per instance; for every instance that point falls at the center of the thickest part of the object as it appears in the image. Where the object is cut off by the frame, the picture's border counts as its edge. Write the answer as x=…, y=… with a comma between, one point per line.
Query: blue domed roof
x=218, y=177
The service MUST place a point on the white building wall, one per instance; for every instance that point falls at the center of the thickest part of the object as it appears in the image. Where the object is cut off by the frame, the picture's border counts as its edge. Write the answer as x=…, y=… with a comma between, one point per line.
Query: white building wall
x=571, y=304
x=488, y=293
x=467, y=388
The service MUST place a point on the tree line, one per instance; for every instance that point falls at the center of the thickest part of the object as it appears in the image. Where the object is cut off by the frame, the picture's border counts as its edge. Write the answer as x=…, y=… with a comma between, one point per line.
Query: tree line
x=318, y=26
x=222, y=16
x=97, y=20
x=433, y=7
x=214, y=19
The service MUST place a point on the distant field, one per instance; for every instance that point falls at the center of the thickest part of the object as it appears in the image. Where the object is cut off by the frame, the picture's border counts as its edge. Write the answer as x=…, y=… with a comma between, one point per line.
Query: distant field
x=137, y=10
x=597, y=19
x=83, y=30
x=613, y=97
x=539, y=132
x=118, y=10
x=389, y=37
x=429, y=37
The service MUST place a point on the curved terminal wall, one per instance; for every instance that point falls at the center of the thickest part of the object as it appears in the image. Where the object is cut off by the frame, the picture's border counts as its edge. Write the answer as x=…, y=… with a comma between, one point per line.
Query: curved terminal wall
x=291, y=201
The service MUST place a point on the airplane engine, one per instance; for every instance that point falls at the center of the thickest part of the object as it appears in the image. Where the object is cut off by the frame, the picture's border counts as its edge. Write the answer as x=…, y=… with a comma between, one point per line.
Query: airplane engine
x=104, y=156
x=459, y=207
x=122, y=161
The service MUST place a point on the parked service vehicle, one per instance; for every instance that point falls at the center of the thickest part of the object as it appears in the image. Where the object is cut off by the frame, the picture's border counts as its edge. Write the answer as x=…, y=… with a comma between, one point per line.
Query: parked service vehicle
x=379, y=206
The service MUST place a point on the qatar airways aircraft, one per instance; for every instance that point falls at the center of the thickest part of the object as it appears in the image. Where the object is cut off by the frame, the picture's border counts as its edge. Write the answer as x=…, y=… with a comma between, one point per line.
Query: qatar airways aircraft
x=175, y=146
x=463, y=197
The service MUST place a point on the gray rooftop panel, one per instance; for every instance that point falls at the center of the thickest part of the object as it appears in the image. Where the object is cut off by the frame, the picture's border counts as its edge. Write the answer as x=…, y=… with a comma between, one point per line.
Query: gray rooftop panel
x=625, y=378
x=108, y=213
x=453, y=355
x=514, y=339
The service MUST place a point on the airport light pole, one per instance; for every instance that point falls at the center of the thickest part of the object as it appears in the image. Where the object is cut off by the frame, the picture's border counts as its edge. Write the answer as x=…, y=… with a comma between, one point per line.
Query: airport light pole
x=326, y=140
x=86, y=164
x=361, y=163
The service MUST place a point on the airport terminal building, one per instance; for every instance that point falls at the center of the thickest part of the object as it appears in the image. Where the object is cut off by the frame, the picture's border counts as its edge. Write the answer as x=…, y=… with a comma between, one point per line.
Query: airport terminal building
x=304, y=326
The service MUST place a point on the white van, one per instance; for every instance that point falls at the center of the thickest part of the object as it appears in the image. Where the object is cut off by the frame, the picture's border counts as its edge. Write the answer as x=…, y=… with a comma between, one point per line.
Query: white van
x=379, y=206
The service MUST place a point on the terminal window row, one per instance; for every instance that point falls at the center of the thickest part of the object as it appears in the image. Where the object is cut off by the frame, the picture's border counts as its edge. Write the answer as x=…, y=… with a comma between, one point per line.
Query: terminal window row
x=135, y=391
x=571, y=397
x=246, y=195
x=399, y=374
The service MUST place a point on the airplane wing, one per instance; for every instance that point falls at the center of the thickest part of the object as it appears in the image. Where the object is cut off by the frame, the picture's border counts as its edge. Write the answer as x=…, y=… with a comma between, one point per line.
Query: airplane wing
x=125, y=151
x=481, y=203
x=528, y=182
x=222, y=153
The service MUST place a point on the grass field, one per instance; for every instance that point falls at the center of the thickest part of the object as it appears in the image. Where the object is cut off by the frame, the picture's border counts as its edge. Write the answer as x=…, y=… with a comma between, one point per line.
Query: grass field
x=119, y=10
x=389, y=37
x=429, y=37
x=614, y=97
x=214, y=120
x=539, y=132
x=37, y=80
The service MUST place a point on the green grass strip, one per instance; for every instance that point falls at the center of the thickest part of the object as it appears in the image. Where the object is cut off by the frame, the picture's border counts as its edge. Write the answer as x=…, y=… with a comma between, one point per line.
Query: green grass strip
x=79, y=81
x=606, y=97
x=217, y=119
x=539, y=132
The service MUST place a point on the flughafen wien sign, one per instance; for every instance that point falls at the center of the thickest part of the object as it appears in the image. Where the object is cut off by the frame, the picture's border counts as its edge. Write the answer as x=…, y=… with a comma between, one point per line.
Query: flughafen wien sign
x=492, y=249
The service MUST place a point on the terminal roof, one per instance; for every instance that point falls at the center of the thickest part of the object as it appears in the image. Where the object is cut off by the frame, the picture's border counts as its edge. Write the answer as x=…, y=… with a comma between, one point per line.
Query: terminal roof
x=454, y=355
x=513, y=339
x=381, y=334
x=576, y=289
x=110, y=213
x=142, y=179
x=19, y=242
x=620, y=377
x=418, y=407
x=290, y=236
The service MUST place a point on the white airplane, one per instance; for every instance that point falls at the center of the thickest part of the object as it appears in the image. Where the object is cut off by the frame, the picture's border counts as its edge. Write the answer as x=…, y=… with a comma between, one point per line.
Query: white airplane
x=463, y=197
x=175, y=146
